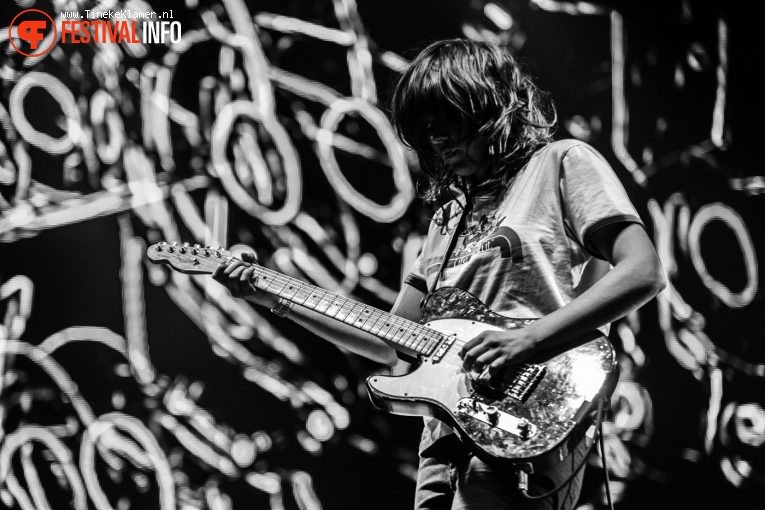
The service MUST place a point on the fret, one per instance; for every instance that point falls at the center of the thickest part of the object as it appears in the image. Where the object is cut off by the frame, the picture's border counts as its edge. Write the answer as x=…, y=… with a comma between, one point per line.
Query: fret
x=354, y=314
x=335, y=307
x=303, y=293
x=313, y=300
x=379, y=323
x=409, y=338
x=417, y=338
x=325, y=302
x=386, y=327
x=432, y=344
x=345, y=309
x=270, y=280
x=289, y=290
x=369, y=319
x=398, y=333
x=433, y=340
x=430, y=339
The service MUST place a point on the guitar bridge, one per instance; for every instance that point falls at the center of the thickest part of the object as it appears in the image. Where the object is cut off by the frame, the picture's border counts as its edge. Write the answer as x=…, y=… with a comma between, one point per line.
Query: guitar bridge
x=518, y=384
x=528, y=378
x=491, y=415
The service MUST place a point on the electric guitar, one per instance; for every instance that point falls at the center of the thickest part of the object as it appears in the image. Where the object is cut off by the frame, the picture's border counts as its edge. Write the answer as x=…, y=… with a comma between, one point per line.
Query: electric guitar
x=530, y=420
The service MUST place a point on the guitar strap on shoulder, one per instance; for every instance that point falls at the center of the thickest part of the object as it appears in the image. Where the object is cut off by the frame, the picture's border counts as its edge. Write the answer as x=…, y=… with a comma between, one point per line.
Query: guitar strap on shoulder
x=466, y=209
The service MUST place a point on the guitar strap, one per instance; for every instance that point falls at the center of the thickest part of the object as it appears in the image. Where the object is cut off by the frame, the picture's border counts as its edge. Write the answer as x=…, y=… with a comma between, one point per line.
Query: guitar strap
x=466, y=209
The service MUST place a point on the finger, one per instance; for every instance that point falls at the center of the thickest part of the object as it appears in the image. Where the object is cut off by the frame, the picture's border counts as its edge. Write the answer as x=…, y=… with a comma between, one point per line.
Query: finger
x=497, y=367
x=247, y=276
x=246, y=280
x=472, y=355
x=232, y=266
x=485, y=359
x=250, y=257
x=236, y=272
x=497, y=370
x=218, y=273
x=471, y=343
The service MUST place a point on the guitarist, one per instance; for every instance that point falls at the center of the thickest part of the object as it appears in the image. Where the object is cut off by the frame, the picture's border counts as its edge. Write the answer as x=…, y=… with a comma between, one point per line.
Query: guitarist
x=528, y=225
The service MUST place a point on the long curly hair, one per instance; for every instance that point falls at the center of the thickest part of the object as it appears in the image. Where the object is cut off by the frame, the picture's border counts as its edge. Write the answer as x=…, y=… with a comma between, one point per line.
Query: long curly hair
x=459, y=80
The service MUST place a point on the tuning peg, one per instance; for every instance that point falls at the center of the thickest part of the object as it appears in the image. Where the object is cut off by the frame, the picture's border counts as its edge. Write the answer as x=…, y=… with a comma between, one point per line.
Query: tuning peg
x=159, y=247
x=197, y=246
x=186, y=245
x=170, y=249
x=182, y=249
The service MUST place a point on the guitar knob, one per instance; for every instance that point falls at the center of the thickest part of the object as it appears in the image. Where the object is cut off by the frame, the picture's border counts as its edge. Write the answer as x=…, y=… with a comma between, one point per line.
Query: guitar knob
x=524, y=427
x=493, y=414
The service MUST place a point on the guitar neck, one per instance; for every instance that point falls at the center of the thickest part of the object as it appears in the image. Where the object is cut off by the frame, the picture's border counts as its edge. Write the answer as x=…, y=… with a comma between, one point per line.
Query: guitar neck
x=404, y=335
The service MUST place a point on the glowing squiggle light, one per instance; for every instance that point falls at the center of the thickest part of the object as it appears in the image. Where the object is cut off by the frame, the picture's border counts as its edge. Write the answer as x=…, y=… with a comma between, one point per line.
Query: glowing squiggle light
x=63, y=455
x=733, y=220
x=329, y=122
x=63, y=97
x=718, y=115
x=619, y=128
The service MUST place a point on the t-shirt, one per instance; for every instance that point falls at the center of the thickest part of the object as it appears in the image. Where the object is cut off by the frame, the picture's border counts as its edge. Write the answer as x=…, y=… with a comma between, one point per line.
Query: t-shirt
x=529, y=252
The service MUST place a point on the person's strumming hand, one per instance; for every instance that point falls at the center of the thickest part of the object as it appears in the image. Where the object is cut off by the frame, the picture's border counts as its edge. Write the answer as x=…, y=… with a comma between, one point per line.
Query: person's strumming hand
x=497, y=350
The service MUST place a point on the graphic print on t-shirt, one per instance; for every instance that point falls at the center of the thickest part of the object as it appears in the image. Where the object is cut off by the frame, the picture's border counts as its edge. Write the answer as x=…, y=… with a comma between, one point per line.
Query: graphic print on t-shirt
x=488, y=236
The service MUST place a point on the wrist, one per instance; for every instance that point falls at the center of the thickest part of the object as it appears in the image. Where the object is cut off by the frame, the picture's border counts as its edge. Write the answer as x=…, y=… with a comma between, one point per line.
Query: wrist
x=283, y=308
x=535, y=335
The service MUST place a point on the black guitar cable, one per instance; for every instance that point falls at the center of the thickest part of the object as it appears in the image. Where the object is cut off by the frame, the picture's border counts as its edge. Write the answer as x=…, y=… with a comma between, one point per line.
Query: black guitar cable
x=605, y=467
x=523, y=477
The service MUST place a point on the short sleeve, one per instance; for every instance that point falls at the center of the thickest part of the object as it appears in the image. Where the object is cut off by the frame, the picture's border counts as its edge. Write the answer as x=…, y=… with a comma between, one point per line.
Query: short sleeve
x=592, y=196
x=416, y=277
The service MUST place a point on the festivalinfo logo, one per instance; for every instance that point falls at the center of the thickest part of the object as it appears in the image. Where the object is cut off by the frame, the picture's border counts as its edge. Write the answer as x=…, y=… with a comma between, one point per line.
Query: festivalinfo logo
x=36, y=33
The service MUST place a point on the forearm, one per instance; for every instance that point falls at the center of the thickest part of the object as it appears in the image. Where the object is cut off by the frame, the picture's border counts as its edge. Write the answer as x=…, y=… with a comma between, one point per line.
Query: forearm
x=343, y=335
x=626, y=287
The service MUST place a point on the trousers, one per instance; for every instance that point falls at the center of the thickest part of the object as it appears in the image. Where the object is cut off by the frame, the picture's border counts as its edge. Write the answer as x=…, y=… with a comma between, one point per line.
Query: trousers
x=458, y=480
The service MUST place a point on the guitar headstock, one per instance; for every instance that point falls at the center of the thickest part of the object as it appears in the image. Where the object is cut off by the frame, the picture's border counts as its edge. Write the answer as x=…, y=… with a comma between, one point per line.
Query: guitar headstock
x=188, y=259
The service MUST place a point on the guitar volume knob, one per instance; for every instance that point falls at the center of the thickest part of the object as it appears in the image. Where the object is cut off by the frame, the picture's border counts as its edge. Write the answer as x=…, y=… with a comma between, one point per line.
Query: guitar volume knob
x=524, y=427
x=492, y=413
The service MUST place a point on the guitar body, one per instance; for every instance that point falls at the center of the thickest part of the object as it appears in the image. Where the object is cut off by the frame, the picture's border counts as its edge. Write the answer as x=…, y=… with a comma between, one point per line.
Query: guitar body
x=532, y=419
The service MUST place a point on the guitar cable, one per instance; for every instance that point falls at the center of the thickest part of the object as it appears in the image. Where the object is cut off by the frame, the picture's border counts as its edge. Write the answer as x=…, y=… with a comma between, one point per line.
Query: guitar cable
x=523, y=477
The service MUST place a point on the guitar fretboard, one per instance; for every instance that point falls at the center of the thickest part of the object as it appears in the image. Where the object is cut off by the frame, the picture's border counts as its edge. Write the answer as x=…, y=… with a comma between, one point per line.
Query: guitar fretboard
x=406, y=335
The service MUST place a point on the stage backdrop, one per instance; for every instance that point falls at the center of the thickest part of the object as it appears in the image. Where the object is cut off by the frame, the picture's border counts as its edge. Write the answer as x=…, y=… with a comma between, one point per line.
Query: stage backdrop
x=262, y=126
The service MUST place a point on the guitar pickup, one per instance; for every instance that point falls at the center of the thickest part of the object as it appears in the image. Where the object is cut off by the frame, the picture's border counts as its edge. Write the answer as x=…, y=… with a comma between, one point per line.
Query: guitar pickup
x=491, y=415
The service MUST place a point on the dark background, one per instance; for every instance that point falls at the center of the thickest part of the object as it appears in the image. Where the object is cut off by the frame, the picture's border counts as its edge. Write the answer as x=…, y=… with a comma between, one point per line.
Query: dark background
x=687, y=423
